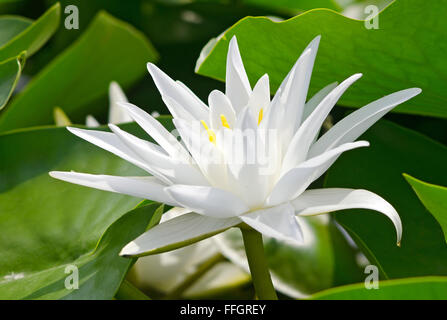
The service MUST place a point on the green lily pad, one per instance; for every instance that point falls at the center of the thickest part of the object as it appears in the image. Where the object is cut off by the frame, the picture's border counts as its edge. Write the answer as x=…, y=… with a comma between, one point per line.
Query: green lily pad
x=433, y=197
x=406, y=51
x=48, y=224
x=20, y=34
x=108, y=50
x=10, y=71
x=379, y=168
x=423, y=288
x=100, y=271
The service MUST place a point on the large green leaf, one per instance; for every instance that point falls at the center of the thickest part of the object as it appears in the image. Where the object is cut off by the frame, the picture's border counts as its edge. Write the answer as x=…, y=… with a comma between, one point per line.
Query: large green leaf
x=47, y=224
x=108, y=50
x=434, y=199
x=10, y=71
x=11, y=26
x=423, y=288
x=100, y=270
x=282, y=5
x=325, y=260
x=379, y=168
x=289, y=5
x=408, y=50
x=19, y=34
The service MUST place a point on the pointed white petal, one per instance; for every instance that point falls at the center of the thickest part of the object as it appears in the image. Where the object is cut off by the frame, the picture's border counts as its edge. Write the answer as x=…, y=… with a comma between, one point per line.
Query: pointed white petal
x=355, y=124
x=220, y=105
x=192, y=95
x=278, y=222
x=237, y=86
x=141, y=187
x=209, y=201
x=176, y=171
x=176, y=91
x=116, y=113
x=304, y=137
x=310, y=105
x=292, y=99
x=110, y=142
x=260, y=97
x=177, y=110
x=318, y=201
x=155, y=129
x=176, y=233
x=296, y=180
x=273, y=120
x=91, y=122
x=295, y=86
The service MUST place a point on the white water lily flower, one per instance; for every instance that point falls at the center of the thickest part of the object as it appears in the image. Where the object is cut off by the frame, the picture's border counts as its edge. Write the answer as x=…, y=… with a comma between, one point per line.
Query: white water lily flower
x=221, y=193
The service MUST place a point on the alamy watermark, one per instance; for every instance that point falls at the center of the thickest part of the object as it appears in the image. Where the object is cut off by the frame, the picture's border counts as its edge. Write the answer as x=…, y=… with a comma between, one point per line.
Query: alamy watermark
x=72, y=19
x=372, y=20
x=72, y=280
x=372, y=280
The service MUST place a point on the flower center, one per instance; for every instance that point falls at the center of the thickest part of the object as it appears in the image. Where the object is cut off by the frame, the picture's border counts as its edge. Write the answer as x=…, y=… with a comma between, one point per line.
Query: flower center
x=223, y=119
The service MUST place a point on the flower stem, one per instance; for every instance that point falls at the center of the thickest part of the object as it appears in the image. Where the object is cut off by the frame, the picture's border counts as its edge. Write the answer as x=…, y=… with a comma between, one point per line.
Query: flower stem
x=260, y=275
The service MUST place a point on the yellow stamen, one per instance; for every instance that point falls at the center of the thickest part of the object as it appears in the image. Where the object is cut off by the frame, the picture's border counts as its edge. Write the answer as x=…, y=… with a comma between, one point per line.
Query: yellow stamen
x=211, y=134
x=261, y=114
x=224, y=121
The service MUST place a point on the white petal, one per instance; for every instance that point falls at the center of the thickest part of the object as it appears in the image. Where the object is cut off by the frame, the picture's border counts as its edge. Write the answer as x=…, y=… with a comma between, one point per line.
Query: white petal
x=310, y=105
x=275, y=122
x=110, y=142
x=176, y=109
x=260, y=97
x=176, y=171
x=296, y=180
x=278, y=222
x=91, y=122
x=295, y=86
x=176, y=91
x=318, y=201
x=237, y=86
x=192, y=95
x=174, y=213
x=304, y=137
x=220, y=105
x=209, y=201
x=116, y=113
x=156, y=130
x=243, y=160
x=177, y=232
x=355, y=124
x=142, y=187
